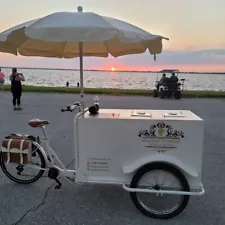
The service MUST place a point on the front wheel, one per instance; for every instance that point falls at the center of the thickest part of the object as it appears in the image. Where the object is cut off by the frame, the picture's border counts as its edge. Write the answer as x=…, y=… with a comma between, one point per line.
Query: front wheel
x=159, y=176
x=20, y=173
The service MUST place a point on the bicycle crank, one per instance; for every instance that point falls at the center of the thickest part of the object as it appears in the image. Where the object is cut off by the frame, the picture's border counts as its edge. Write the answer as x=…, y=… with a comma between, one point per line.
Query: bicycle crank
x=53, y=174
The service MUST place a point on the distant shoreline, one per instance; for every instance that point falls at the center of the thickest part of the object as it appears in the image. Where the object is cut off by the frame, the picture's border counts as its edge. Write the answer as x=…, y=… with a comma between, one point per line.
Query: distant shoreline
x=116, y=92
x=121, y=71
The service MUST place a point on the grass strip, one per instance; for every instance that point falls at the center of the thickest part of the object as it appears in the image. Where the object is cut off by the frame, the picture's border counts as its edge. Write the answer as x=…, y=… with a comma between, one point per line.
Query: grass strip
x=117, y=92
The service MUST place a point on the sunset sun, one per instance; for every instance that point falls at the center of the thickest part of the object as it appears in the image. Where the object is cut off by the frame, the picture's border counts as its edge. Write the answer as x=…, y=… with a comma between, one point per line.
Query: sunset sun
x=113, y=69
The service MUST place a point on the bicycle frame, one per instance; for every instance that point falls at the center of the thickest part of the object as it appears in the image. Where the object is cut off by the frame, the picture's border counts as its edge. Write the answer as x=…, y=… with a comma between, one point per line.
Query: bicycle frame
x=63, y=171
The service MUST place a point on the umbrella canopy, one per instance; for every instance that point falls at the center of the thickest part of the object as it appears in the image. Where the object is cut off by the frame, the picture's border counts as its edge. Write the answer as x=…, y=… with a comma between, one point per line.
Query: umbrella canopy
x=73, y=34
x=58, y=35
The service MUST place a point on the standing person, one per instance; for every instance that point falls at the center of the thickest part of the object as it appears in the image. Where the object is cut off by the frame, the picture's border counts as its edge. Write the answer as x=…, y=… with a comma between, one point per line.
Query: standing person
x=16, y=88
x=2, y=79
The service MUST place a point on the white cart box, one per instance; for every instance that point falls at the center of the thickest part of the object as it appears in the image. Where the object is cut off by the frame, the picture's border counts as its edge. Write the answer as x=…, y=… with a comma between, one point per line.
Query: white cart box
x=115, y=143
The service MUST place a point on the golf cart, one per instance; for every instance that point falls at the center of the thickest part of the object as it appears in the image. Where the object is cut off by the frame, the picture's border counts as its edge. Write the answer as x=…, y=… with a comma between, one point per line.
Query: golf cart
x=167, y=87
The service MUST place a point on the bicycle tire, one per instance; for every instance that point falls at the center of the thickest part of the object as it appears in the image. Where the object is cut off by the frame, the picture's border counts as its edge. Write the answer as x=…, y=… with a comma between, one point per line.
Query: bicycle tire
x=11, y=177
x=168, y=168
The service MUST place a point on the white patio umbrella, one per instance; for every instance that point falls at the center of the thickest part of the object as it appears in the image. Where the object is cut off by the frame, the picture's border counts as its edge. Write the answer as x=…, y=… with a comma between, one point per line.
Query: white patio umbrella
x=78, y=34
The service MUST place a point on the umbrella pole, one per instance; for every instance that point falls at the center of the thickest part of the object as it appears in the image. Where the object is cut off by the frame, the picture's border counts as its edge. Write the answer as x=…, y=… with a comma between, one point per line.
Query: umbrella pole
x=81, y=75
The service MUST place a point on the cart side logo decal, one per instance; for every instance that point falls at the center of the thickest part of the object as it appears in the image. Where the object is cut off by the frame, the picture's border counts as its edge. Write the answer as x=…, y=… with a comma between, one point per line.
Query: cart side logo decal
x=161, y=137
x=161, y=130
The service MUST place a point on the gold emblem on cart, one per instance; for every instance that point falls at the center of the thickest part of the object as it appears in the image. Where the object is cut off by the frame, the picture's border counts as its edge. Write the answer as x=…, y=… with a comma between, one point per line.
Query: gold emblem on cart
x=161, y=137
x=161, y=130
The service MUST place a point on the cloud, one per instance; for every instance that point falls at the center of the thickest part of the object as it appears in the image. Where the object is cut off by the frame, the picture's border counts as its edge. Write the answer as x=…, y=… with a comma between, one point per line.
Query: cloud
x=211, y=56
x=202, y=57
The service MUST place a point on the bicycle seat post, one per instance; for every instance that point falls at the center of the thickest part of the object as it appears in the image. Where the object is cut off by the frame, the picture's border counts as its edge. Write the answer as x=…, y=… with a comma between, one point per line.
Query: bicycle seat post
x=44, y=132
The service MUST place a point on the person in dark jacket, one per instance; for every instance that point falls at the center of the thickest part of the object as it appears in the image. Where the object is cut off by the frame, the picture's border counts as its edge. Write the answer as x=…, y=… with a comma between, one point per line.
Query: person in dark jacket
x=16, y=88
x=163, y=79
x=173, y=78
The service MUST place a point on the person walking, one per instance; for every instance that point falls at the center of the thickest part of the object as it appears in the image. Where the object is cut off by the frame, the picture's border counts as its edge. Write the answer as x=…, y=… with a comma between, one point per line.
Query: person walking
x=2, y=79
x=16, y=88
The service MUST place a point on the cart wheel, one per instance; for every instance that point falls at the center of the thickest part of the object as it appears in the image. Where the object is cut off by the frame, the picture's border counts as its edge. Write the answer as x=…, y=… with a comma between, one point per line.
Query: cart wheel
x=159, y=176
x=22, y=173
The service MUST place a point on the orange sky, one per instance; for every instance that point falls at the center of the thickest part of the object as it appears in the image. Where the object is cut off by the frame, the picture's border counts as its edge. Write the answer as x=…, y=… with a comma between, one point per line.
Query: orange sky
x=186, y=68
x=191, y=25
x=107, y=63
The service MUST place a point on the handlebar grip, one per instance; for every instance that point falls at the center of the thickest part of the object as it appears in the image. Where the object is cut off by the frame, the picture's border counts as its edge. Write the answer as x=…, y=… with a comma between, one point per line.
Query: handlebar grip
x=69, y=108
x=64, y=109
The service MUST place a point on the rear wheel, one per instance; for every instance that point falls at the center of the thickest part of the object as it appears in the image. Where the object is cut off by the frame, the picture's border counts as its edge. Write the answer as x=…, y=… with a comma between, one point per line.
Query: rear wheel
x=22, y=174
x=159, y=176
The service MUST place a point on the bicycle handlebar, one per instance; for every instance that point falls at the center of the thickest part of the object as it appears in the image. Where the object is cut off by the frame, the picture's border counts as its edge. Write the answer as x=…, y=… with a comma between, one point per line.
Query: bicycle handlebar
x=71, y=108
x=76, y=106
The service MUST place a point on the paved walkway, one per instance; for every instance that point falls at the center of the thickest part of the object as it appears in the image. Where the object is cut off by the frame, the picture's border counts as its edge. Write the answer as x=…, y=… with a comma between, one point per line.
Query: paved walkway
x=39, y=203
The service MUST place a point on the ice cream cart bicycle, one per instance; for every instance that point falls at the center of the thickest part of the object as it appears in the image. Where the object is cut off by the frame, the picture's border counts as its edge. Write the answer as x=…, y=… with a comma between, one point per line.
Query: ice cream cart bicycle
x=153, y=154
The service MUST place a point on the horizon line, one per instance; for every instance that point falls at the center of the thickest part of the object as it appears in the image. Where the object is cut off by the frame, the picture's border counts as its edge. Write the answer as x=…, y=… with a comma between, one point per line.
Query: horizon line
x=108, y=70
